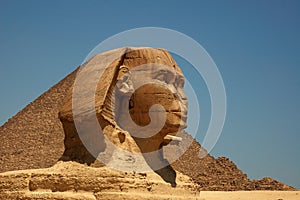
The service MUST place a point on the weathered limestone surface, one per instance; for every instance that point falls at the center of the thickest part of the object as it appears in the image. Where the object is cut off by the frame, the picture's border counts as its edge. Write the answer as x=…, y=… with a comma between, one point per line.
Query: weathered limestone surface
x=71, y=180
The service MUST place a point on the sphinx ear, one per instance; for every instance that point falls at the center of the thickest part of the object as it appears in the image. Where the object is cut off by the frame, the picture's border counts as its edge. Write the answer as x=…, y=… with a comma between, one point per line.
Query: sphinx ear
x=124, y=84
x=125, y=88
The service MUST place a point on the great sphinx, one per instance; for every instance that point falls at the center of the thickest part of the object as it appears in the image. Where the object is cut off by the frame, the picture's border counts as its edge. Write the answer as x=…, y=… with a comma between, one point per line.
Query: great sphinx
x=139, y=105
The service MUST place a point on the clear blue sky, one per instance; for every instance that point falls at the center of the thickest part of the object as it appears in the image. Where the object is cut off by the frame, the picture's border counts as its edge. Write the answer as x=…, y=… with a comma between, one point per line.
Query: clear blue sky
x=255, y=44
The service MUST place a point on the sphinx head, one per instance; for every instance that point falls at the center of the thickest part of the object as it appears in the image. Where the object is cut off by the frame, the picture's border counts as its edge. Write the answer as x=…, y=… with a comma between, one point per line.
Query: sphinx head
x=138, y=101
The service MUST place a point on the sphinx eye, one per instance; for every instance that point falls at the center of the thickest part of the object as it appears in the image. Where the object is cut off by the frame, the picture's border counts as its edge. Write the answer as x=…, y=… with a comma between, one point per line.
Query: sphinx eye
x=165, y=76
x=162, y=75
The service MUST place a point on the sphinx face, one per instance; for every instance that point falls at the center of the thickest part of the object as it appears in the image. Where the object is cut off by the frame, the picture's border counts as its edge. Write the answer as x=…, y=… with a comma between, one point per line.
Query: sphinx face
x=146, y=86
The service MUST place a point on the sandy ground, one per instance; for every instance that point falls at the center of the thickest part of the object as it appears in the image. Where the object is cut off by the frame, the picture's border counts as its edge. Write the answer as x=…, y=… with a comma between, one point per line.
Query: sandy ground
x=250, y=195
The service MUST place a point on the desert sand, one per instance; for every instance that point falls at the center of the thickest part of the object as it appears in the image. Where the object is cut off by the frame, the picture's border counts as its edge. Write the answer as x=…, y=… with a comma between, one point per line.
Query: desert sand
x=250, y=195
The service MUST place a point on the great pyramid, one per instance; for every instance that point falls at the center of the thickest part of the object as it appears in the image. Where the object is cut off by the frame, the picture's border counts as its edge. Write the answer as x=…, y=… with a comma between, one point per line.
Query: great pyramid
x=34, y=139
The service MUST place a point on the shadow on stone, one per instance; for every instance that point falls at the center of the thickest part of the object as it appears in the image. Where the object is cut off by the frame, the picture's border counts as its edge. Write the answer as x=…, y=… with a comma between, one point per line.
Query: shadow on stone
x=168, y=174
